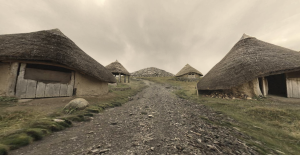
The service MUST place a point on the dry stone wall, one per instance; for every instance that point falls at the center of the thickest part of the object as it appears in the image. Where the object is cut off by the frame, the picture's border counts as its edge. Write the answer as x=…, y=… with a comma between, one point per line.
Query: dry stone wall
x=151, y=72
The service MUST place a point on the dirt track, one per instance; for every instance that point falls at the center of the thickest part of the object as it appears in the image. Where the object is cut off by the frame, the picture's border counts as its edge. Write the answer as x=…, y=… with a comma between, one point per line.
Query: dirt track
x=154, y=122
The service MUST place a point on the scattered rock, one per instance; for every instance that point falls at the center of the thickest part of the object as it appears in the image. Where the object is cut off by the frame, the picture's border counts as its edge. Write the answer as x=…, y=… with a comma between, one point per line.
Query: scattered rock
x=24, y=100
x=152, y=148
x=103, y=151
x=78, y=103
x=58, y=120
x=150, y=116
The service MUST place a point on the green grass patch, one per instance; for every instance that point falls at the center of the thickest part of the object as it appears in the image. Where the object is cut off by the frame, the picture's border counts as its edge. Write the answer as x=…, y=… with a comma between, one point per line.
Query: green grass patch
x=273, y=125
x=37, y=133
x=19, y=128
x=3, y=149
x=16, y=140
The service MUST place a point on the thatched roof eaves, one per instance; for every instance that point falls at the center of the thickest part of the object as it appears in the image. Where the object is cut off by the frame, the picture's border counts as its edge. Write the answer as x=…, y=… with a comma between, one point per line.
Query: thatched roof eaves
x=51, y=46
x=188, y=69
x=250, y=58
x=116, y=68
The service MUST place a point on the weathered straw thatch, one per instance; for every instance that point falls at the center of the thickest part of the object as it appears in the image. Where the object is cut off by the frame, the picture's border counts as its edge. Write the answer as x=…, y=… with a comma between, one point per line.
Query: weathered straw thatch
x=54, y=47
x=116, y=68
x=151, y=72
x=248, y=59
x=188, y=69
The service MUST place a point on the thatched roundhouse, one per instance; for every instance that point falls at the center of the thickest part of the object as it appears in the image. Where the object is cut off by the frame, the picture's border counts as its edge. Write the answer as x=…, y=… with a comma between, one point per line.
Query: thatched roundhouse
x=48, y=64
x=255, y=67
x=151, y=72
x=189, y=72
x=116, y=68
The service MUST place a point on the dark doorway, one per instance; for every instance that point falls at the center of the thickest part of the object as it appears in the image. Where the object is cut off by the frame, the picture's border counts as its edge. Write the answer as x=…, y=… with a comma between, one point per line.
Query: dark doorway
x=277, y=85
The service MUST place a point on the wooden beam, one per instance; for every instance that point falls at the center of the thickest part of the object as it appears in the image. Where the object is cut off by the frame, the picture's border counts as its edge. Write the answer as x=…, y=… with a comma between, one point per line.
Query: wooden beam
x=120, y=77
x=12, y=81
x=128, y=78
x=21, y=83
x=124, y=78
x=39, y=62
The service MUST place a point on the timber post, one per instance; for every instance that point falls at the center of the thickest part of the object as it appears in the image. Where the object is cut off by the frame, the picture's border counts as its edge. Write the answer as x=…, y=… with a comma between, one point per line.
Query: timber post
x=120, y=77
x=128, y=78
x=124, y=78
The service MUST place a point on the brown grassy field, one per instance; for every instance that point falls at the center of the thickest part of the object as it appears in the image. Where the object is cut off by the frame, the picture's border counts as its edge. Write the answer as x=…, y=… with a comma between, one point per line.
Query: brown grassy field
x=273, y=121
x=22, y=123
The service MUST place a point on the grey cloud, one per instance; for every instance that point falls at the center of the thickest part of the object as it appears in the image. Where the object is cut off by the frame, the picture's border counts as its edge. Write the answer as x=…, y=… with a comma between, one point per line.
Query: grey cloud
x=166, y=34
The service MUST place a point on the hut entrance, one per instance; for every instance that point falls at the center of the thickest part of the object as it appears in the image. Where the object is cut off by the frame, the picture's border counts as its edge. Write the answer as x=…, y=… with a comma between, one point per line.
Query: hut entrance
x=39, y=81
x=277, y=85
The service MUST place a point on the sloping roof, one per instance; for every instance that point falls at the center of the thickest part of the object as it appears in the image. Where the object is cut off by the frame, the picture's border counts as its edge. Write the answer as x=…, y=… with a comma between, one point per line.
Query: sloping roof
x=152, y=72
x=188, y=69
x=117, y=67
x=248, y=59
x=51, y=46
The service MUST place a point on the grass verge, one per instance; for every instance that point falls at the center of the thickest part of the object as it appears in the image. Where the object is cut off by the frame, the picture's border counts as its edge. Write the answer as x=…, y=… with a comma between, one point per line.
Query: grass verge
x=19, y=128
x=273, y=125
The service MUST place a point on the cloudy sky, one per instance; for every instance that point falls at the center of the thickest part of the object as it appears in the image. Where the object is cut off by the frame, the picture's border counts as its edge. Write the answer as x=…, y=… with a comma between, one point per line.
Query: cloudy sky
x=166, y=34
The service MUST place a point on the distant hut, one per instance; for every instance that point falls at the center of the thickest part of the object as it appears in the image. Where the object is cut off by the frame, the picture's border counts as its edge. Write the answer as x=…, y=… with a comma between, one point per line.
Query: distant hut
x=48, y=64
x=189, y=72
x=255, y=67
x=116, y=68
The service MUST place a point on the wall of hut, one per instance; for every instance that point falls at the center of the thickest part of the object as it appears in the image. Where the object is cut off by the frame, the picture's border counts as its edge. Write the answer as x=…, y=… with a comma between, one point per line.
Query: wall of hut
x=190, y=75
x=250, y=88
x=4, y=77
x=88, y=86
x=39, y=81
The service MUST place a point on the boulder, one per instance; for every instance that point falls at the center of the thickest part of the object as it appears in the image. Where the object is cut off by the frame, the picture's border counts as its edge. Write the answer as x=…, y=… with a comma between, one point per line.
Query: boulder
x=78, y=103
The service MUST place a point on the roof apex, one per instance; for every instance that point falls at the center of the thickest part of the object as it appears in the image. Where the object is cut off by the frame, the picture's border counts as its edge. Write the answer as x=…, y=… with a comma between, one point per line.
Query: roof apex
x=246, y=36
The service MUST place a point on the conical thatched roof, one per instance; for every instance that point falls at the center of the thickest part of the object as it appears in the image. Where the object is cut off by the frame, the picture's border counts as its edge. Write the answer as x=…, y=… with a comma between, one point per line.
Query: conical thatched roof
x=152, y=72
x=188, y=69
x=248, y=59
x=51, y=46
x=116, y=68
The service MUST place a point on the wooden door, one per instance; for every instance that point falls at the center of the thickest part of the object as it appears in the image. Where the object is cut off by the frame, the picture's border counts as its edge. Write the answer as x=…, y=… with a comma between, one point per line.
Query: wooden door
x=293, y=84
x=27, y=88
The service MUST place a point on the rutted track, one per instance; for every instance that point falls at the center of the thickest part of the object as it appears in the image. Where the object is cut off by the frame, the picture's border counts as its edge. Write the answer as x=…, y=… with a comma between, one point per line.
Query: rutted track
x=154, y=122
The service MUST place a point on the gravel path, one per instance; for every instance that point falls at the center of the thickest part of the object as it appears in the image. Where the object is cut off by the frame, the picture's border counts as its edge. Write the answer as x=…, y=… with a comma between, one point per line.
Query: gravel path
x=154, y=122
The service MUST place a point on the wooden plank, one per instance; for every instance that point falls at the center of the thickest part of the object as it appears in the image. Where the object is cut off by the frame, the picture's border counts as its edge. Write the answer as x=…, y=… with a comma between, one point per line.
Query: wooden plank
x=21, y=83
x=298, y=88
x=31, y=88
x=21, y=88
x=295, y=88
x=49, y=91
x=63, y=90
x=56, y=89
x=40, y=90
x=71, y=85
x=289, y=88
x=124, y=78
x=12, y=81
x=264, y=86
x=70, y=90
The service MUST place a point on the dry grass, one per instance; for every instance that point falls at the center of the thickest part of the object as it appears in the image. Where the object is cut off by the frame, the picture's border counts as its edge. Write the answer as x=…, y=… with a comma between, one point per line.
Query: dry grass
x=275, y=124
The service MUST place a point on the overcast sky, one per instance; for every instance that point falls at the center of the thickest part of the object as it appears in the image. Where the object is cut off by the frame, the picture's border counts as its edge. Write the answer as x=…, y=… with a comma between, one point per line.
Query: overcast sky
x=166, y=34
